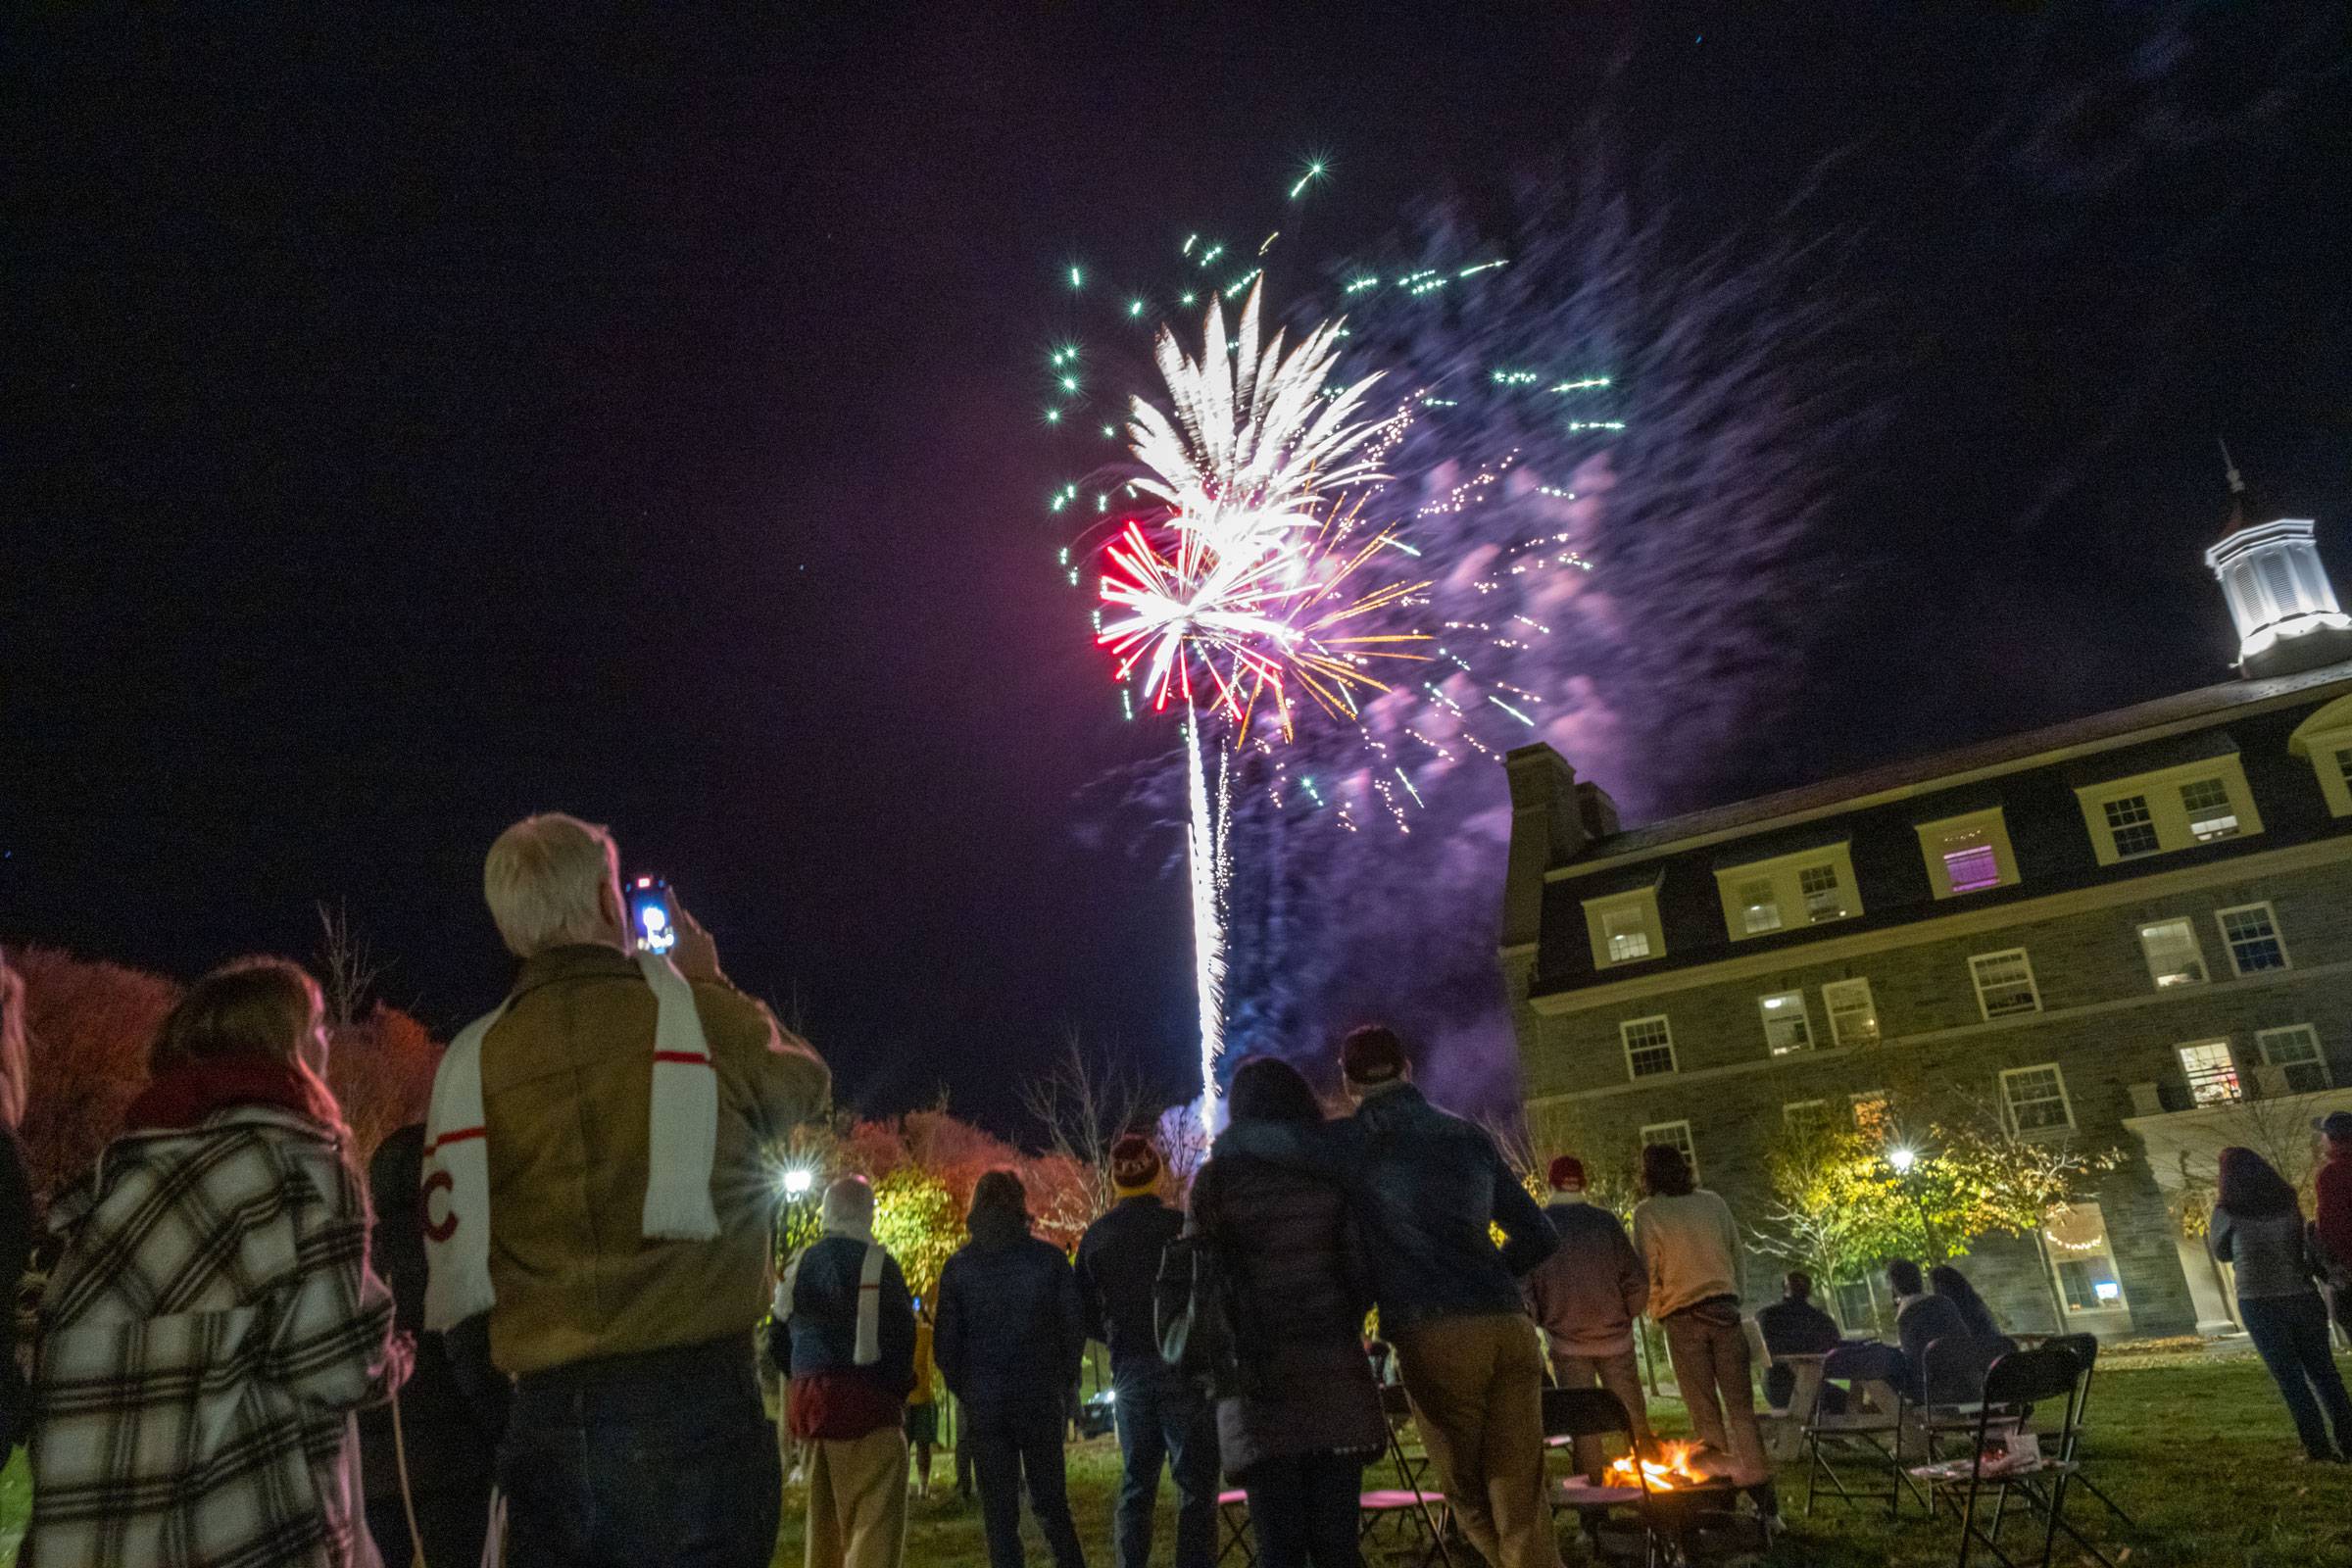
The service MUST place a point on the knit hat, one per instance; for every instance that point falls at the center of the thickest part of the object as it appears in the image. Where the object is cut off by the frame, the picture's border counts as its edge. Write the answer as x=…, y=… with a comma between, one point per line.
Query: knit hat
x=1372, y=1055
x=1134, y=1165
x=1567, y=1174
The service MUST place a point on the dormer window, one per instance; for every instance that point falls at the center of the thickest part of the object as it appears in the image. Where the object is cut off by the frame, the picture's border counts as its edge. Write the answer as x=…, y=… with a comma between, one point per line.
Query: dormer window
x=1968, y=853
x=1624, y=928
x=2170, y=810
x=1811, y=887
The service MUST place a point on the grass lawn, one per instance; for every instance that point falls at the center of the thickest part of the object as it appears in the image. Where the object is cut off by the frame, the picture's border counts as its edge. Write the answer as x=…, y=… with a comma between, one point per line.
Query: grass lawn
x=2200, y=1451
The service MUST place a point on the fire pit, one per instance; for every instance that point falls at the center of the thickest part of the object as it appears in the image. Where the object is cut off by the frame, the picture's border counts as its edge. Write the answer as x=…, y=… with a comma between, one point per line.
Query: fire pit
x=1676, y=1499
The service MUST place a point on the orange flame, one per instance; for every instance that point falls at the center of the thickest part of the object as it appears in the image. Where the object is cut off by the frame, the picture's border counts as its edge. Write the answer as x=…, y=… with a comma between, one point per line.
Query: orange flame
x=1669, y=1471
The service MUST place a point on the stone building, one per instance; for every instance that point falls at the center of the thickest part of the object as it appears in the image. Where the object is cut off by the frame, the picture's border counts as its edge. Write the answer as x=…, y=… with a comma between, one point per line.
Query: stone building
x=2133, y=931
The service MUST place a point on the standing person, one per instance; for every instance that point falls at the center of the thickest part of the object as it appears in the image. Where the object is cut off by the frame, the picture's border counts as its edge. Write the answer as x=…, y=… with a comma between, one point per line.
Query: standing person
x=2258, y=1228
x=1296, y=1437
x=850, y=1323
x=1162, y=1417
x=1794, y=1326
x=455, y=1404
x=1687, y=1237
x=1588, y=1294
x=212, y=1323
x=922, y=1401
x=1975, y=1316
x=1011, y=1334
x=594, y=1183
x=1430, y=1185
x=2334, y=1221
x=16, y=1207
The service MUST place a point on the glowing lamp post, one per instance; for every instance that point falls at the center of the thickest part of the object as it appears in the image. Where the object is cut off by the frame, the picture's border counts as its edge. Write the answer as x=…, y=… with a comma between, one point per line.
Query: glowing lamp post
x=796, y=1182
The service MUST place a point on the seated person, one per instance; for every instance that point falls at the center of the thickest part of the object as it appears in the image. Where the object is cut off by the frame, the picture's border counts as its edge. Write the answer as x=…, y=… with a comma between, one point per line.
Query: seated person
x=1920, y=1320
x=1794, y=1326
x=1952, y=1285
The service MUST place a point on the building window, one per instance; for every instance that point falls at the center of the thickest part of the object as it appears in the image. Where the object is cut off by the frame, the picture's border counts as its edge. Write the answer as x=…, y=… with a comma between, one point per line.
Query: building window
x=1648, y=1046
x=2343, y=766
x=2212, y=1073
x=2037, y=1100
x=1759, y=909
x=1857, y=1313
x=2004, y=984
x=2174, y=955
x=1825, y=898
x=2131, y=827
x=1968, y=853
x=1874, y=1112
x=1853, y=1016
x=1786, y=1027
x=2210, y=814
x=2077, y=1237
x=1674, y=1135
x=1808, y=1118
x=2251, y=934
x=2295, y=1051
x=1624, y=928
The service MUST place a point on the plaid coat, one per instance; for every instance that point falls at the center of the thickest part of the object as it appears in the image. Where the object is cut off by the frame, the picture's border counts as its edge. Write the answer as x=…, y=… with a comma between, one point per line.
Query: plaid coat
x=205, y=1337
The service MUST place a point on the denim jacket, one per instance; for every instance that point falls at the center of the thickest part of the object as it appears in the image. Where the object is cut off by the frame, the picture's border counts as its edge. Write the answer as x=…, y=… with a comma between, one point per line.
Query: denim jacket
x=1428, y=1185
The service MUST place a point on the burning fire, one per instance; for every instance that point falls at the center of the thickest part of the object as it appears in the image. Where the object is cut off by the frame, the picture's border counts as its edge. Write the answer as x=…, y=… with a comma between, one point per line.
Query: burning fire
x=1671, y=1469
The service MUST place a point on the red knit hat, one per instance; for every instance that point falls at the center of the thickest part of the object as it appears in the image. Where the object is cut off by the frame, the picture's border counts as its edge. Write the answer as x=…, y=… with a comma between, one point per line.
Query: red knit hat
x=1134, y=1163
x=1567, y=1174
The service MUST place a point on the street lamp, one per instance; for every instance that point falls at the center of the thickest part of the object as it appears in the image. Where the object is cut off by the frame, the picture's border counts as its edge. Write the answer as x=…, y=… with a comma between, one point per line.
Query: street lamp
x=797, y=1180
x=1902, y=1159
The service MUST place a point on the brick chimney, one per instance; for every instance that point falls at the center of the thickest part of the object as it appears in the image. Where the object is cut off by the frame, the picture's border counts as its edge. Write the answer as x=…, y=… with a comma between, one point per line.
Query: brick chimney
x=1554, y=818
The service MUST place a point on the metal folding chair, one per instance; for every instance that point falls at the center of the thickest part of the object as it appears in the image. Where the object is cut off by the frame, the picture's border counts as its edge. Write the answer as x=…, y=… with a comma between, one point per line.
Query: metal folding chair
x=1872, y=1439
x=2085, y=1348
x=1408, y=1498
x=2012, y=1387
x=1233, y=1526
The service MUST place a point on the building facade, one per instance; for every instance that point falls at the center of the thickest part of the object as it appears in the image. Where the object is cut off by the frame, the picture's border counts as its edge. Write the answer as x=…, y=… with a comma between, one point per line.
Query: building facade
x=2132, y=932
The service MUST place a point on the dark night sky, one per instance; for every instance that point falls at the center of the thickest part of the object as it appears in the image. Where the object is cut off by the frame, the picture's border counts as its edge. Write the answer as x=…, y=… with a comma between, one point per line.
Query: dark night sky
x=417, y=418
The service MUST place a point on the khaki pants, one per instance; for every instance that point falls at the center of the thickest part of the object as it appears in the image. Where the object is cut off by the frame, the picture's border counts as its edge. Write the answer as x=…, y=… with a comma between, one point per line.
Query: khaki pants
x=1621, y=1375
x=858, y=1500
x=1476, y=1386
x=1712, y=1368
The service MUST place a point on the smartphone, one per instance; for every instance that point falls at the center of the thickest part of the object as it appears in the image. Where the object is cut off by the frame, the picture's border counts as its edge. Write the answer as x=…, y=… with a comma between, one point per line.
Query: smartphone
x=653, y=916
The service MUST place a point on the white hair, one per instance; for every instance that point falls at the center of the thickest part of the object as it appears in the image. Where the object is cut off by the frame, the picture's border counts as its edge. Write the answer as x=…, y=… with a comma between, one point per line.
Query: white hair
x=543, y=881
x=850, y=1205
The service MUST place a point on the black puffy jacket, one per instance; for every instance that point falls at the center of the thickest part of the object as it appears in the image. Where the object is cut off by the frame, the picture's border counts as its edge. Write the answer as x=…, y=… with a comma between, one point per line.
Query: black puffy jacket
x=1011, y=1333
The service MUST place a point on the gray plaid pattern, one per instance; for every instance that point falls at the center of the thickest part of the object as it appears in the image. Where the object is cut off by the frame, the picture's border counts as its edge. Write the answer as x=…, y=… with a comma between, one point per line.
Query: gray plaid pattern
x=204, y=1338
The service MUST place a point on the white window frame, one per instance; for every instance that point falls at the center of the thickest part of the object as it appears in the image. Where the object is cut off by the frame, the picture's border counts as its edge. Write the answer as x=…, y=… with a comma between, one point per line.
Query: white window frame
x=2220, y=921
x=2160, y=794
x=1625, y=1037
x=1804, y=1018
x=1688, y=1148
x=2226, y=808
x=2196, y=947
x=2059, y=1257
x=2065, y=1100
x=1785, y=876
x=1976, y=978
x=2263, y=1046
x=1643, y=904
x=1988, y=826
x=1870, y=1002
x=2236, y=1073
x=1751, y=908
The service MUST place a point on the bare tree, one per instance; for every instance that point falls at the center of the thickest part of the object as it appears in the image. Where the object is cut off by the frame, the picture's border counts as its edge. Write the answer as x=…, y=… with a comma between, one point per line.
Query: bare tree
x=1084, y=1103
x=346, y=963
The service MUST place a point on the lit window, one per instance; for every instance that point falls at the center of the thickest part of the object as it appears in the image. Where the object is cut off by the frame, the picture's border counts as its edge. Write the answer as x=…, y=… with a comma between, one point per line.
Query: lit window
x=2131, y=827
x=1968, y=853
x=1808, y=1118
x=1787, y=1028
x=2212, y=1073
x=2076, y=1237
x=2343, y=766
x=1759, y=909
x=2295, y=1051
x=2036, y=1098
x=1973, y=869
x=2004, y=982
x=1675, y=1135
x=2210, y=814
x=1648, y=1046
x=1825, y=900
x=2174, y=956
x=1627, y=934
x=2251, y=932
x=1874, y=1112
x=1853, y=1016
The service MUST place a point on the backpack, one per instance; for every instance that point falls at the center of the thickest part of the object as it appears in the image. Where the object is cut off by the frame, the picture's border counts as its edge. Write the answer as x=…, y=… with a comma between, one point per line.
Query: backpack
x=1193, y=1310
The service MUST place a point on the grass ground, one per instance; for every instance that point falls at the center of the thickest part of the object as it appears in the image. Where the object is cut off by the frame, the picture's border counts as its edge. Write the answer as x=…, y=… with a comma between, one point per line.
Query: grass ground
x=2200, y=1453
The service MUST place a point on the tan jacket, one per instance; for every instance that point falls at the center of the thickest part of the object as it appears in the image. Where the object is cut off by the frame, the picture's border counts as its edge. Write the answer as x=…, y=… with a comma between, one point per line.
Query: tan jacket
x=567, y=1086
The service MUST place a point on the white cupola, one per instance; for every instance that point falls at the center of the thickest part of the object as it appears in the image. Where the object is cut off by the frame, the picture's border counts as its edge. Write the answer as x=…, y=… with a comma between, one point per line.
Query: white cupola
x=2285, y=609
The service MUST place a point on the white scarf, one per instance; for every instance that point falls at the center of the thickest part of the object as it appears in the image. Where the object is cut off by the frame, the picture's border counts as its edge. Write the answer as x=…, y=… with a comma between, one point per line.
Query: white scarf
x=684, y=1147
x=870, y=1295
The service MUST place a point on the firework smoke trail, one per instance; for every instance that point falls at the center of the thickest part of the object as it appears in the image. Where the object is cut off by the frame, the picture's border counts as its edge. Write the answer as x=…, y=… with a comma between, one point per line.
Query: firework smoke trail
x=1205, y=845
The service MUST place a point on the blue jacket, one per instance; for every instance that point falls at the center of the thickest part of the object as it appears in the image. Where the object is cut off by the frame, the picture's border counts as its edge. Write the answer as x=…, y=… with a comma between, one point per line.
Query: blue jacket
x=1118, y=1262
x=823, y=1326
x=1011, y=1332
x=1428, y=1185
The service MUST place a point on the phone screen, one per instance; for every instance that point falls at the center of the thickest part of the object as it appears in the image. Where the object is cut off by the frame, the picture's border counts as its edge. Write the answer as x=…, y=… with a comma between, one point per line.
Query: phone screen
x=653, y=917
